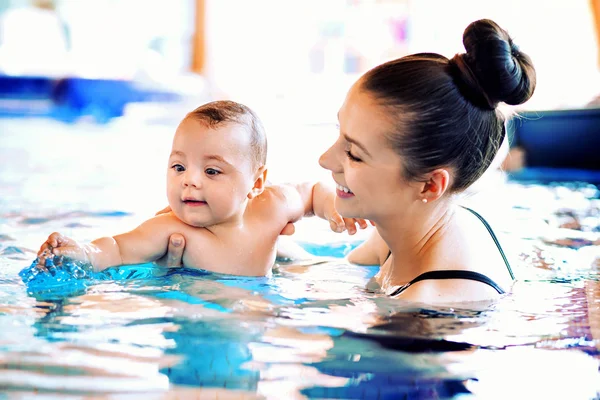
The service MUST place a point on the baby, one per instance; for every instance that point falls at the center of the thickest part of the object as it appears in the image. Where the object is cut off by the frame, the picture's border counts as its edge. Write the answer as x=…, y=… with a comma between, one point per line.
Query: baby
x=219, y=200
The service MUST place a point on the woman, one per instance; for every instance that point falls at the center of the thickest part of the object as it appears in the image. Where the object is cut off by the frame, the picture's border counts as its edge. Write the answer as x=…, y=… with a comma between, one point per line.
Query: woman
x=414, y=132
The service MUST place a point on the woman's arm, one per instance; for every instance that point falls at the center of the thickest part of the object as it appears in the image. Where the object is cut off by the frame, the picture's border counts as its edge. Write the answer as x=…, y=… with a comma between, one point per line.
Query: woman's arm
x=372, y=251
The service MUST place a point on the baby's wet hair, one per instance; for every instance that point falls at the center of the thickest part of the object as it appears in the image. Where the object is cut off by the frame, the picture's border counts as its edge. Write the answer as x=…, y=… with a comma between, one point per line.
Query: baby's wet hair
x=220, y=112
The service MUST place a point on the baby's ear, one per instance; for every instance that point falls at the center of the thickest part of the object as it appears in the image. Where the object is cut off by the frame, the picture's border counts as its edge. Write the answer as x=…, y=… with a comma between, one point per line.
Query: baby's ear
x=260, y=182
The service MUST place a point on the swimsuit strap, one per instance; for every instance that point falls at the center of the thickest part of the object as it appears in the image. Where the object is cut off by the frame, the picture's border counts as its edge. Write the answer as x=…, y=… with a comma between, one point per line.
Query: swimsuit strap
x=449, y=274
x=461, y=274
x=493, y=235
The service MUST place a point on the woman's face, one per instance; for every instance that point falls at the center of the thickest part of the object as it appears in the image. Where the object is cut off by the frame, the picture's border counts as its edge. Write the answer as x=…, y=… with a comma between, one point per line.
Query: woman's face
x=366, y=170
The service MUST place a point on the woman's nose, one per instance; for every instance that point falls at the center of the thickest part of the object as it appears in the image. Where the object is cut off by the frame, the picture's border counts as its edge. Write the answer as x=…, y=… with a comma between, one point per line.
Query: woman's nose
x=327, y=159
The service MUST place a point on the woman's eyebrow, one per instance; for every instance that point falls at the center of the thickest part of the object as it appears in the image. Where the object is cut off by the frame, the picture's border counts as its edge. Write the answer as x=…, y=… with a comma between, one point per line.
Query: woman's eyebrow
x=357, y=144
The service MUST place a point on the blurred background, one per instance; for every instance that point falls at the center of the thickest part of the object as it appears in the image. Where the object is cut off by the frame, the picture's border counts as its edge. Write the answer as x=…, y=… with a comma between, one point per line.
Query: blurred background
x=92, y=91
x=262, y=51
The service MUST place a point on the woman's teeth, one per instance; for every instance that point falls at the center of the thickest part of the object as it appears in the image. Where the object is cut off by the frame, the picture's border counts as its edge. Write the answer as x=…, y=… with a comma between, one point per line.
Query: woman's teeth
x=343, y=188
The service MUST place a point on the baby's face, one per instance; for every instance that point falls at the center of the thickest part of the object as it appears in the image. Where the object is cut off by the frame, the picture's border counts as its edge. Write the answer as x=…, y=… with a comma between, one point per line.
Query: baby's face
x=209, y=173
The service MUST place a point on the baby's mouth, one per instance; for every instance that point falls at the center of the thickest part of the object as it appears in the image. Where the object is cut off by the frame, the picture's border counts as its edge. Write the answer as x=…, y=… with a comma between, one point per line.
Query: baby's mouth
x=193, y=202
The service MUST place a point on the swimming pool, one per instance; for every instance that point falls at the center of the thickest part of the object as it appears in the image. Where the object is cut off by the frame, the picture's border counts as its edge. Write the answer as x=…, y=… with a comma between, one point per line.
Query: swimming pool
x=307, y=331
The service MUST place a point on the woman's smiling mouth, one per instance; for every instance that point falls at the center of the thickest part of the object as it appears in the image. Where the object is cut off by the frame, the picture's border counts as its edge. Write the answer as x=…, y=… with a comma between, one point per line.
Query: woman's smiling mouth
x=343, y=191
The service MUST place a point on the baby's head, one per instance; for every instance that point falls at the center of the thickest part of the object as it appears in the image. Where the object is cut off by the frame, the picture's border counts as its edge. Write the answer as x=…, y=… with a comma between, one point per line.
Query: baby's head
x=223, y=112
x=217, y=162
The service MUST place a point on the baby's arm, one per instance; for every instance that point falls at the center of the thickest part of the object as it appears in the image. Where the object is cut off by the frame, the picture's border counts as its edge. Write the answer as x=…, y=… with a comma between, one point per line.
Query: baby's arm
x=318, y=199
x=148, y=242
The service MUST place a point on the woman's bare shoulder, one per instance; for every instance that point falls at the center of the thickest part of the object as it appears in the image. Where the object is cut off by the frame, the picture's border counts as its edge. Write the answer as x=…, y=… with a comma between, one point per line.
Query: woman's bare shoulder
x=446, y=291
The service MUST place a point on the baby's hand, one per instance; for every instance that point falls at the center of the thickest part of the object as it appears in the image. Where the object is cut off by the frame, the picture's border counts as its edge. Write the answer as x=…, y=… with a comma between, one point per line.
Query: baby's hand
x=59, y=245
x=340, y=224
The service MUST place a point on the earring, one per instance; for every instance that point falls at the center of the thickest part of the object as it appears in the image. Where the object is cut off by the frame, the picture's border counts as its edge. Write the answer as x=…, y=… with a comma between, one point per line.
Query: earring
x=424, y=200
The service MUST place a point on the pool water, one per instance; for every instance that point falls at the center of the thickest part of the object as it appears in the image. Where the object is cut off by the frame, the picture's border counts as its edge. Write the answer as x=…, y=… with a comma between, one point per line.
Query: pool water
x=307, y=331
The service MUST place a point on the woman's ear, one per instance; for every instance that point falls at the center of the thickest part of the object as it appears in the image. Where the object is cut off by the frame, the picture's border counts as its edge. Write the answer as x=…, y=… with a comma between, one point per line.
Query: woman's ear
x=438, y=181
x=260, y=182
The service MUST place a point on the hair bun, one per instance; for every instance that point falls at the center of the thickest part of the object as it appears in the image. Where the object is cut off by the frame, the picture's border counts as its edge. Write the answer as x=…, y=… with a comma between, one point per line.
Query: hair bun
x=493, y=69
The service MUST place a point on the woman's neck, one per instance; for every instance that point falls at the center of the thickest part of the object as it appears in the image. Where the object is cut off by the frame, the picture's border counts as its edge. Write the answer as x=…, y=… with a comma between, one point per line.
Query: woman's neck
x=413, y=242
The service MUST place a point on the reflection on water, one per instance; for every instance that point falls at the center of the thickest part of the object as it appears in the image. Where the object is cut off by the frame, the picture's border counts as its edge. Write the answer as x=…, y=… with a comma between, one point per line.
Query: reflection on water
x=307, y=331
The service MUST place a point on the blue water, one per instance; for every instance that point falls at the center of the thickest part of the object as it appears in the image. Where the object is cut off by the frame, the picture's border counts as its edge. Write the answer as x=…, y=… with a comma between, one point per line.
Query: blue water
x=307, y=331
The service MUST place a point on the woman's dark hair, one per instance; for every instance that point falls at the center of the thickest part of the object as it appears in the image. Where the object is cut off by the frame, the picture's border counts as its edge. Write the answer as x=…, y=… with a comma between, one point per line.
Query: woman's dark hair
x=226, y=111
x=446, y=108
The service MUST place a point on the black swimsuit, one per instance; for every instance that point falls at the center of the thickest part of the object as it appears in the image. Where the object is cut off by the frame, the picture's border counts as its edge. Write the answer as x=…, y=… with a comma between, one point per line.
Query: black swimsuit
x=460, y=274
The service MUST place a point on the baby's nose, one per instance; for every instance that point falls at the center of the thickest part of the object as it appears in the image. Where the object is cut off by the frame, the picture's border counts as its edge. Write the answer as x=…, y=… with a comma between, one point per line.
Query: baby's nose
x=192, y=179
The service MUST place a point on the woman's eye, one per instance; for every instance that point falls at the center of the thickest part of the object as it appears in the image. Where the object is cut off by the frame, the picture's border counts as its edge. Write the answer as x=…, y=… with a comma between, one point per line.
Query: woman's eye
x=178, y=167
x=212, y=171
x=351, y=157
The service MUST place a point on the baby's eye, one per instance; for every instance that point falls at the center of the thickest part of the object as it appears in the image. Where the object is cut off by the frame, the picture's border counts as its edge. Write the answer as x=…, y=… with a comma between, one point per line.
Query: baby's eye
x=178, y=167
x=212, y=171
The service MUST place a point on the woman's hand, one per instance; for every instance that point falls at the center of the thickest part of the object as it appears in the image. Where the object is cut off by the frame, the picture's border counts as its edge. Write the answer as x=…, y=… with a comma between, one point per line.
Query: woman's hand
x=174, y=256
x=164, y=210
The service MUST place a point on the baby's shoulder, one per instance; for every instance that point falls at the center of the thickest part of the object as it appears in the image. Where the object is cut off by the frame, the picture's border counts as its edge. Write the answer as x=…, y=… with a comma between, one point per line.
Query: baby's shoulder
x=196, y=237
x=270, y=196
x=271, y=202
x=164, y=220
x=280, y=193
x=169, y=222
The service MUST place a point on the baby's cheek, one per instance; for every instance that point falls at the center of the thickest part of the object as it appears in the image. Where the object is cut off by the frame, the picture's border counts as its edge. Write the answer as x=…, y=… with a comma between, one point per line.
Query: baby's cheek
x=231, y=192
x=172, y=198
